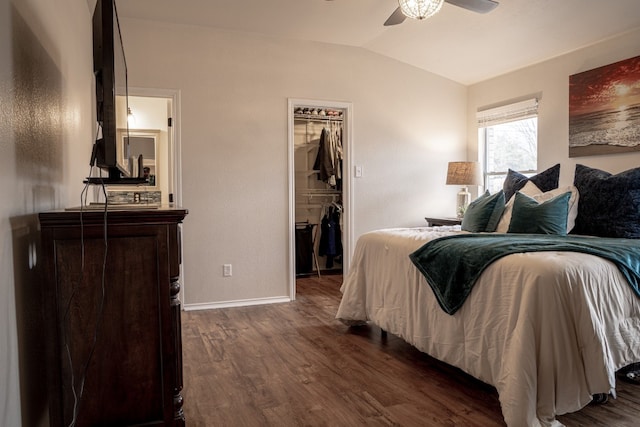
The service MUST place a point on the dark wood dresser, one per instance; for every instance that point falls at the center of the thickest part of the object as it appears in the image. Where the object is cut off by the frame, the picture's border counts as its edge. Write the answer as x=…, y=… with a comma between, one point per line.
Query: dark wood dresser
x=114, y=346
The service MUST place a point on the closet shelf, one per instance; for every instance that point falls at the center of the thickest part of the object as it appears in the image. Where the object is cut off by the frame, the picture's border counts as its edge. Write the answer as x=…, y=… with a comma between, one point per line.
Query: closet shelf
x=320, y=191
x=317, y=118
x=308, y=146
x=310, y=193
x=308, y=172
x=310, y=206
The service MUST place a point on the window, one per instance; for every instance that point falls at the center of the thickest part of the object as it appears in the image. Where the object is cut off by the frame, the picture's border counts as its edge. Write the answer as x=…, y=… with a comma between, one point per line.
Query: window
x=508, y=137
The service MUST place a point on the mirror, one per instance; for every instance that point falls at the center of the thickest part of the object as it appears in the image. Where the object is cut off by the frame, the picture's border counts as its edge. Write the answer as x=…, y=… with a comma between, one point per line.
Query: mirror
x=141, y=142
x=150, y=144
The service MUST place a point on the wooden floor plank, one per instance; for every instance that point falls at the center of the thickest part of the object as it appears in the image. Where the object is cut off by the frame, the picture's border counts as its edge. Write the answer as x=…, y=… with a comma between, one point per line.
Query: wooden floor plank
x=294, y=364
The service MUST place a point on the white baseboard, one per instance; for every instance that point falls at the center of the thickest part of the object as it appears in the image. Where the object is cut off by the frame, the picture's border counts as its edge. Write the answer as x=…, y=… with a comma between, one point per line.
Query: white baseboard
x=236, y=303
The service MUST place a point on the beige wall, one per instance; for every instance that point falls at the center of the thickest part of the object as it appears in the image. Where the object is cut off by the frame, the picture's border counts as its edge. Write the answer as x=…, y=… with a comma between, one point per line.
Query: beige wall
x=234, y=88
x=46, y=133
x=550, y=81
x=407, y=125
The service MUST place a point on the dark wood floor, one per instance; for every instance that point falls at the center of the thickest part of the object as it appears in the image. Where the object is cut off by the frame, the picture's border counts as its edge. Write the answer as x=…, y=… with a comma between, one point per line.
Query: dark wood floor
x=293, y=364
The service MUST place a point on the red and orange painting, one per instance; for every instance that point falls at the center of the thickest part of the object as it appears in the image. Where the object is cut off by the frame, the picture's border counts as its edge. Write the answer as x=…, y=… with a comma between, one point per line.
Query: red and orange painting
x=604, y=109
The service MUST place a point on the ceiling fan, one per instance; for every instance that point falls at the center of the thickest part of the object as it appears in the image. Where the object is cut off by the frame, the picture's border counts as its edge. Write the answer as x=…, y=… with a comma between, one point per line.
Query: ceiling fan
x=412, y=8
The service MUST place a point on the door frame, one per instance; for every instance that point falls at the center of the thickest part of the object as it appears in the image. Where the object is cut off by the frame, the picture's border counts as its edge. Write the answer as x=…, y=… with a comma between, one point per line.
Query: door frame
x=175, y=154
x=347, y=189
x=175, y=160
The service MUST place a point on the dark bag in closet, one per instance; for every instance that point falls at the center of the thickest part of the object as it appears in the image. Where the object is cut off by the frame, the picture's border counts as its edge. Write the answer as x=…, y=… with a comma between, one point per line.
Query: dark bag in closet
x=304, y=248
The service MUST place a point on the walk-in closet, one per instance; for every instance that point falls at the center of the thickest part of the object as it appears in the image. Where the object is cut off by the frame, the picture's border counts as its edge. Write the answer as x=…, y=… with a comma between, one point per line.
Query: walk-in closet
x=319, y=179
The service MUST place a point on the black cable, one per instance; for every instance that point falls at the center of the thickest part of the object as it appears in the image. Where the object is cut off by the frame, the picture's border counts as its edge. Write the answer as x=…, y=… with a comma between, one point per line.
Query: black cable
x=79, y=391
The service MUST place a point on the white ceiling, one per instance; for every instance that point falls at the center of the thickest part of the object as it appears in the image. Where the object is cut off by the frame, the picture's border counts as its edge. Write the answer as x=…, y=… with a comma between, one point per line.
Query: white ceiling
x=458, y=44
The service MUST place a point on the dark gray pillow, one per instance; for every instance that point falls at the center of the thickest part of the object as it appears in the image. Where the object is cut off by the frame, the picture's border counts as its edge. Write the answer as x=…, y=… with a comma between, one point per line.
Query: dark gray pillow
x=484, y=213
x=609, y=204
x=546, y=180
x=531, y=217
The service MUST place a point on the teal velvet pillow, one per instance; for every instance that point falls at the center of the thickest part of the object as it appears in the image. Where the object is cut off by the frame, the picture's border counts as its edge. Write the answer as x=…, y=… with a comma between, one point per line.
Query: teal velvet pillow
x=484, y=213
x=550, y=217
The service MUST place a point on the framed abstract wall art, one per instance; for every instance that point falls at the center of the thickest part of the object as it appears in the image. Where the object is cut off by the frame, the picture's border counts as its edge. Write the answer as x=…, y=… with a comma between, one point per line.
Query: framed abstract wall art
x=604, y=109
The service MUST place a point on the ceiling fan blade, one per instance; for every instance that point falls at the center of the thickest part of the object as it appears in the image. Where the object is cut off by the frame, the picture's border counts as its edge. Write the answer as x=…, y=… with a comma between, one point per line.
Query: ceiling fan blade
x=397, y=17
x=479, y=6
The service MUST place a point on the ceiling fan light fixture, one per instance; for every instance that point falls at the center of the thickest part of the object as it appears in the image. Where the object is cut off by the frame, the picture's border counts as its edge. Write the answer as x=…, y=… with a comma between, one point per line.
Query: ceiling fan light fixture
x=420, y=9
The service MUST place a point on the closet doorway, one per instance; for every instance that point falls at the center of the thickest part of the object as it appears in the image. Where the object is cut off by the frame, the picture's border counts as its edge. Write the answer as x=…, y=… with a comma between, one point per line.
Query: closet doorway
x=320, y=196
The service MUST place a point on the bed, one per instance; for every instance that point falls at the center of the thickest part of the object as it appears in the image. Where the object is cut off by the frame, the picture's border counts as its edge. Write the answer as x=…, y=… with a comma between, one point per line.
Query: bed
x=547, y=329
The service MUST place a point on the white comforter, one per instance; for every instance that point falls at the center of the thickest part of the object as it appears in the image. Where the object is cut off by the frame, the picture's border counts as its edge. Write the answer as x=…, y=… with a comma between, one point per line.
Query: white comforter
x=547, y=329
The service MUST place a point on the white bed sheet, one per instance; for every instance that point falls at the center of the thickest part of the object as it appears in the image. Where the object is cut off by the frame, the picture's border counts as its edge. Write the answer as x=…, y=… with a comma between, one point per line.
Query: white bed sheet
x=547, y=329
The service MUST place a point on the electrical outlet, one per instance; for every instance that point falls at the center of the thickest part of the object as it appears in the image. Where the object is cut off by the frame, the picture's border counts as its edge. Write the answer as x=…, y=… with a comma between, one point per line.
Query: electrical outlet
x=226, y=270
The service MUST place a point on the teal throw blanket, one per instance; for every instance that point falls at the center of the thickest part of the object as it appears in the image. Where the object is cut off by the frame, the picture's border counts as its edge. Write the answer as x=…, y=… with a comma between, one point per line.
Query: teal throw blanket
x=452, y=264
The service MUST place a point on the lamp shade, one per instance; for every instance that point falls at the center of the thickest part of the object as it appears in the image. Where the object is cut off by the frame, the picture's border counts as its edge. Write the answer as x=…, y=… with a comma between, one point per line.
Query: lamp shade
x=464, y=173
x=420, y=9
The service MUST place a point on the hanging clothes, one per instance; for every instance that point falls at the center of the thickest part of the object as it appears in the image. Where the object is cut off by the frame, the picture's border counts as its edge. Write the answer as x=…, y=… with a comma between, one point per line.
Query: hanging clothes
x=323, y=158
x=329, y=158
x=331, y=236
x=337, y=135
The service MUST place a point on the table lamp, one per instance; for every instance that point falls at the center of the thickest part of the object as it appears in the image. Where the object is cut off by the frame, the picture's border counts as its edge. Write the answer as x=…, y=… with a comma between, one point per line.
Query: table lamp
x=465, y=174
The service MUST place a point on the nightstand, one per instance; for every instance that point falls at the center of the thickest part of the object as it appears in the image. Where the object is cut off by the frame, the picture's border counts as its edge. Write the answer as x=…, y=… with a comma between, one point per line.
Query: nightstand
x=434, y=222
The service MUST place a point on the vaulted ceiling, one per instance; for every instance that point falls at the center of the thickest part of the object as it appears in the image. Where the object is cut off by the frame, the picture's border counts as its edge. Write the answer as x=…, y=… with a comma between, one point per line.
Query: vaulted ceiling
x=463, y=46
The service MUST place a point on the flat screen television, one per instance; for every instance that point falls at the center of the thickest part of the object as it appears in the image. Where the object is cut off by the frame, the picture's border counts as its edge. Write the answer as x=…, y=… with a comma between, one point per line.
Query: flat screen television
x=110, y=69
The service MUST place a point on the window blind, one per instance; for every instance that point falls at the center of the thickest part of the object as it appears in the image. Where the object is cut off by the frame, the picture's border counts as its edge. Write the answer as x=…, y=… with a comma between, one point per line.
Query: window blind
x=508, y=113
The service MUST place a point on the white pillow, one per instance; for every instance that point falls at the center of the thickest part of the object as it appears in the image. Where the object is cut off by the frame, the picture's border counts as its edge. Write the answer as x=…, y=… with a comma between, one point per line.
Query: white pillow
x=531, y=190
x=573, y=202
